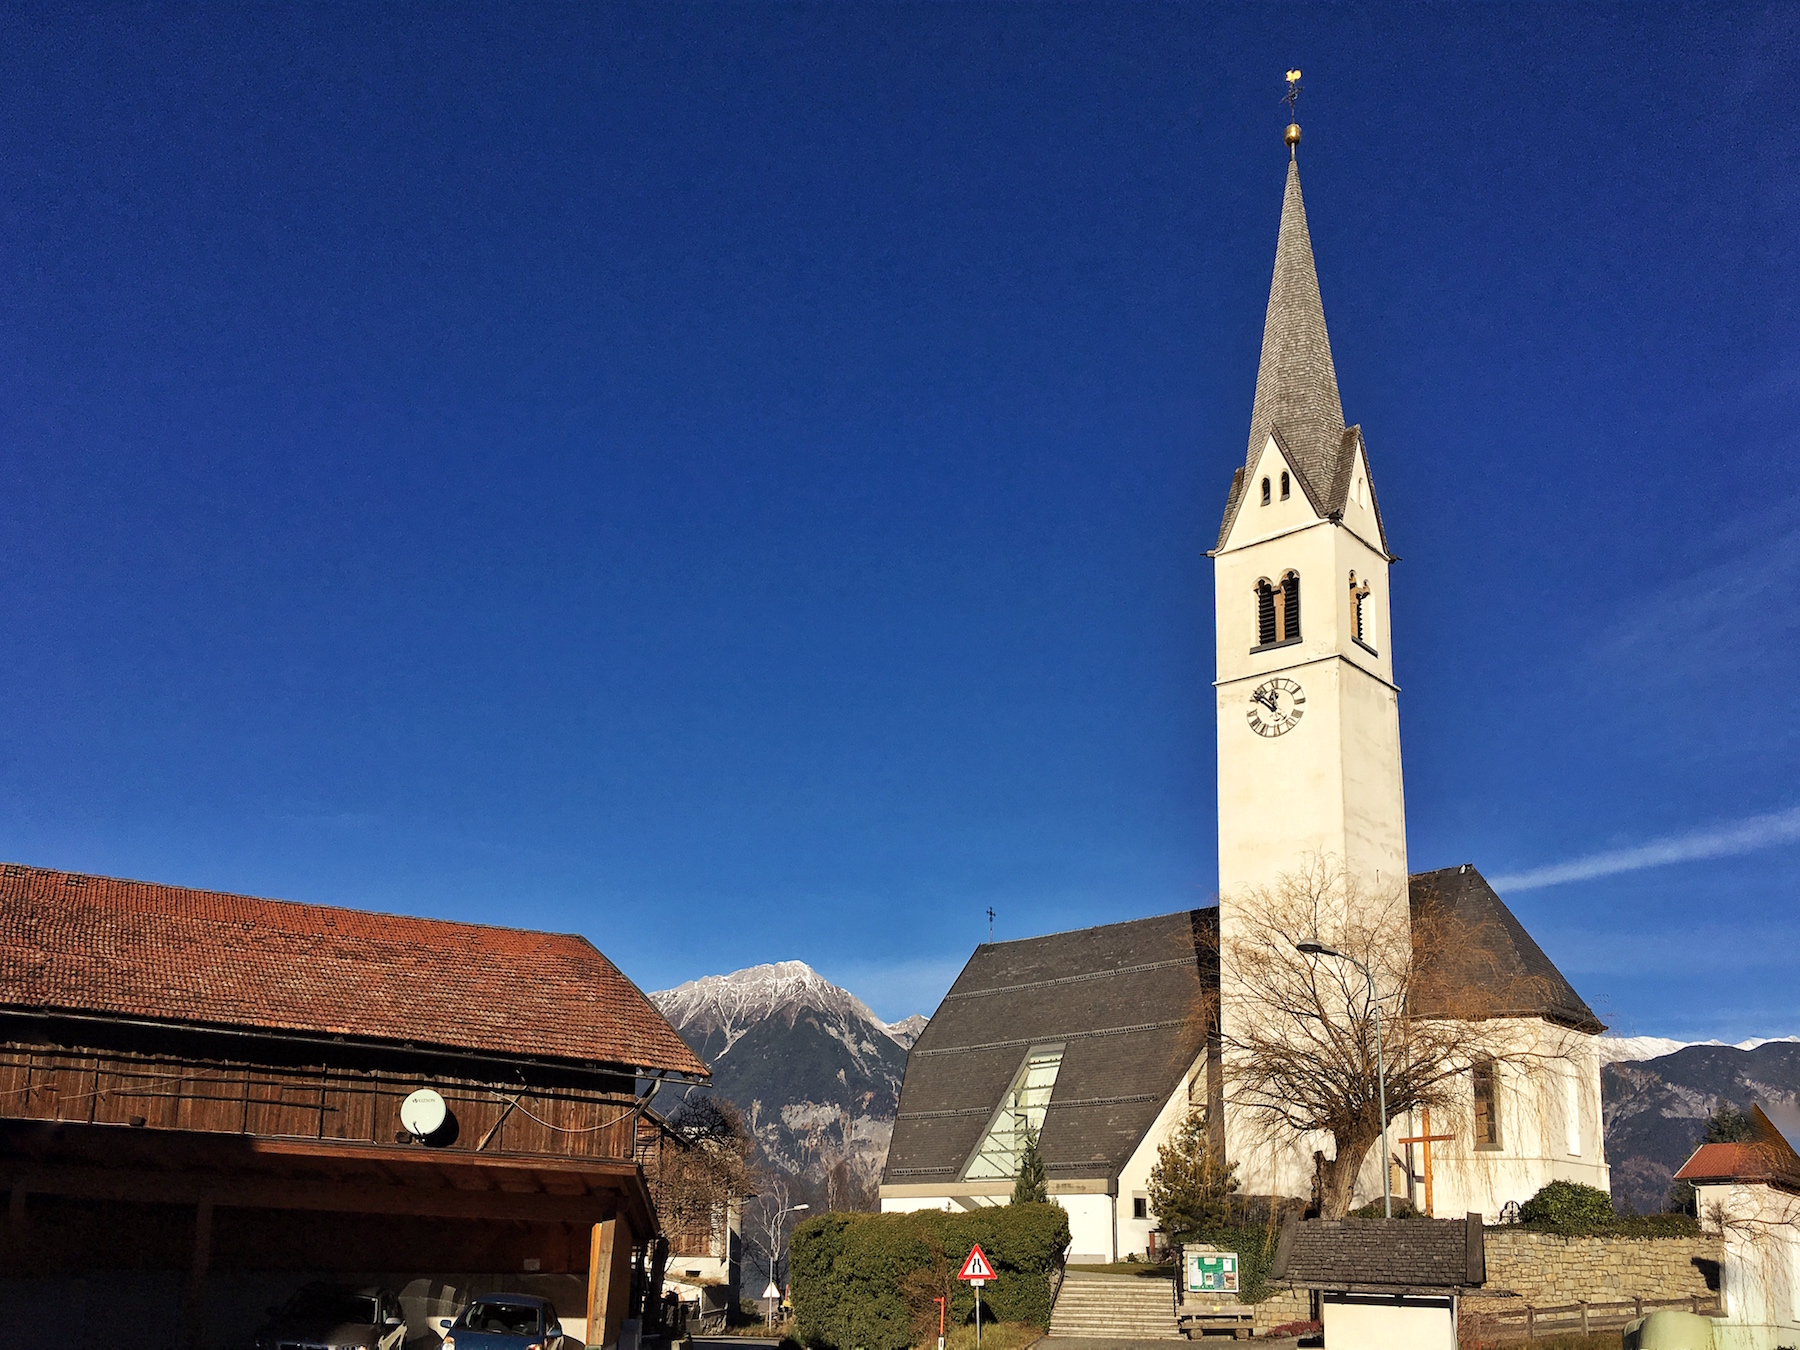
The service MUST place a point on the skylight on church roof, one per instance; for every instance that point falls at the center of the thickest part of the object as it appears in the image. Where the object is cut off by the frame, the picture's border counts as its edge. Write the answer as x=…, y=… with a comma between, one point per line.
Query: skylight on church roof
x=1021, y=1115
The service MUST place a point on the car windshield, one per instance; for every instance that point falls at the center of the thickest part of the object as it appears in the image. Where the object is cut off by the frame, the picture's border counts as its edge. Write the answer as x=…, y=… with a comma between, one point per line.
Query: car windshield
x=506, y=1319
x=331, y=1305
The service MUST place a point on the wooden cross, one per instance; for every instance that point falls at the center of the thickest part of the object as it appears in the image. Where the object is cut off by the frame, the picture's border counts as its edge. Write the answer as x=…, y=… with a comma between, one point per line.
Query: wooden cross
x=1425, y=1141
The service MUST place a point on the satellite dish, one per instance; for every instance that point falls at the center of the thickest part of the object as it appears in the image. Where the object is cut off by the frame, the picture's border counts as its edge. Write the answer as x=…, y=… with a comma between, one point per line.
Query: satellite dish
x=423, y=1113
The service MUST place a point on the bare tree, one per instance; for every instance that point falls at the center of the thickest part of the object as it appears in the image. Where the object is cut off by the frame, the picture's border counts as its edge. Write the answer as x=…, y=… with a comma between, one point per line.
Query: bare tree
x=701, y=1168
x=768, y=1224
x=1297, y=1032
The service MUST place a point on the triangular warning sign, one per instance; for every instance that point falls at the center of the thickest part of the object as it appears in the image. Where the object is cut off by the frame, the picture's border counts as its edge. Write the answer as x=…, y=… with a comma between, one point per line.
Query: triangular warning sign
x=976, y=1267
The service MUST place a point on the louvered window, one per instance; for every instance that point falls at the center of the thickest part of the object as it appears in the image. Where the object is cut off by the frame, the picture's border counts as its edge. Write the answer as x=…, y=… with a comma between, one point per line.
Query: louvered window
x=1265, y=614
x=1278, y=610
x=1359, y=612
x=1285, y=487
x=1265, y=492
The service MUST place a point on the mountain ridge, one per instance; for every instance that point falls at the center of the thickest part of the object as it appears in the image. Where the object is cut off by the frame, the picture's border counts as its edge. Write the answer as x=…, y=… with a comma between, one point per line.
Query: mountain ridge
x=817, y=1075
x=814, y=1071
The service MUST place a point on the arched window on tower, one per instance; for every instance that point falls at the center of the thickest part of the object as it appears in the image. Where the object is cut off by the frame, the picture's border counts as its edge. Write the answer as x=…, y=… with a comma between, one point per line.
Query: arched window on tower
x=1265, y=496
x=1286, y=487
x=1362, y=619
x=1278, y=610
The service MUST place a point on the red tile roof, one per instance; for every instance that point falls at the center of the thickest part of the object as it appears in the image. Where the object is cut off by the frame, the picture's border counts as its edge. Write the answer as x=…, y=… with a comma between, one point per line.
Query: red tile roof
x=1735, y=1162
x=132, y=948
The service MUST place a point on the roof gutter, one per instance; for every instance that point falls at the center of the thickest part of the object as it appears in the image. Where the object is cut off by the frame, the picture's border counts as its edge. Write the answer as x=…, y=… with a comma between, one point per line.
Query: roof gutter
x=656, y=1075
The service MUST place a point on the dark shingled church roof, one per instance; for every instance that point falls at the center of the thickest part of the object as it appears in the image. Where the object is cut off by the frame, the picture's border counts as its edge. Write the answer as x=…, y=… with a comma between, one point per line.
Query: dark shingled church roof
x=1296, y=383
x=1421, y=1255
x=1475, y=959
x=1125, y=1001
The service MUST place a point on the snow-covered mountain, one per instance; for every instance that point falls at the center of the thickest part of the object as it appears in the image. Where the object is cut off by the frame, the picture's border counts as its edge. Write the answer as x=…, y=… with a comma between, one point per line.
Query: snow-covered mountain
x=907, y=1029
x=1630, y=1049
x=816, y=1073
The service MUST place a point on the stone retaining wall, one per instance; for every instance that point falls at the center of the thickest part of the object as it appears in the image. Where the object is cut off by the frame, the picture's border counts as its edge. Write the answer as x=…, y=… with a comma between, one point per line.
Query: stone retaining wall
x=1545, y=1269
x=1282, y=1307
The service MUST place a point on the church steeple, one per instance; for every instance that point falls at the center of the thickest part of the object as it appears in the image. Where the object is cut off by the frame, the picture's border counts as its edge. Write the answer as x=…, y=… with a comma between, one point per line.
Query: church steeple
x=1296, y=383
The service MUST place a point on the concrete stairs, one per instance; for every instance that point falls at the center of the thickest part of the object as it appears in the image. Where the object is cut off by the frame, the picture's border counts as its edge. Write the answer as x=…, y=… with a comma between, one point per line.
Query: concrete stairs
x=1114, y=1308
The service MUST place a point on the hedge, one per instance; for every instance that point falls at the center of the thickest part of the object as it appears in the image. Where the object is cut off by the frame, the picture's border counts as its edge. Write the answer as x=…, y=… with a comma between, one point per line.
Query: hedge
x=868, y=1281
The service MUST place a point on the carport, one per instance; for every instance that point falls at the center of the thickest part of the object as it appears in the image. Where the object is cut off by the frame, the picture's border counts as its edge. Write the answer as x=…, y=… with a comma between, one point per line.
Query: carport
x=151, y=1144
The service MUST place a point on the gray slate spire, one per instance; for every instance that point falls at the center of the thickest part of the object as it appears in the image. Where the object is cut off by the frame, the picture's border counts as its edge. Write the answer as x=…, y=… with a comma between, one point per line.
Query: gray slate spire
x=1296, y=385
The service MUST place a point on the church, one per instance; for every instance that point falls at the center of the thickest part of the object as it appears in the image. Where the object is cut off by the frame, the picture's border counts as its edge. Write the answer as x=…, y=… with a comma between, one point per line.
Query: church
x=1099, y=1042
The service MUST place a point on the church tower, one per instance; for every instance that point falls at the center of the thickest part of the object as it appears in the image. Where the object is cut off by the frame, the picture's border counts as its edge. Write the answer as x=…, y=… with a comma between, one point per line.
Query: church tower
x=1309, y=723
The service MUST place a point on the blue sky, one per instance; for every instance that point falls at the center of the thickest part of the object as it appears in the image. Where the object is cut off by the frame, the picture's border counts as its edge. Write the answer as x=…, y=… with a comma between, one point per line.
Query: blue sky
x=733, y=481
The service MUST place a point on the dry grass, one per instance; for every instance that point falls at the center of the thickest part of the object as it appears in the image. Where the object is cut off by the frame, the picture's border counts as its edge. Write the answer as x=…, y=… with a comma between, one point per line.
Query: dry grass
x=994, y=1336
x=1599, y=1340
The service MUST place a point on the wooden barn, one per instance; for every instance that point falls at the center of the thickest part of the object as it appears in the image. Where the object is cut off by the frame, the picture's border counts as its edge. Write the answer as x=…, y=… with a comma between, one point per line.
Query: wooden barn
x=200, y=1108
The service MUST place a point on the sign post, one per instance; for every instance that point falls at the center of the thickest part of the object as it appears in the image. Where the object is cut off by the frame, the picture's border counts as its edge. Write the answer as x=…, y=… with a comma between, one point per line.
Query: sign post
x=977, y=1271
x=771, y=1294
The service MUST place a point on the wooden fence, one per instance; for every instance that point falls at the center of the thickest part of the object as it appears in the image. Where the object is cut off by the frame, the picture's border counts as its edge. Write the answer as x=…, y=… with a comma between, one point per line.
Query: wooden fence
x=1492, y=1326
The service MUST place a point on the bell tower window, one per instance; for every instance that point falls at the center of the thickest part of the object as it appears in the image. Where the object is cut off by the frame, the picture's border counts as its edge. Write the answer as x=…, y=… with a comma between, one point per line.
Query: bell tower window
x=1362, y=625
x=1265, y=492
x=1277, y=611
x=1286, y=487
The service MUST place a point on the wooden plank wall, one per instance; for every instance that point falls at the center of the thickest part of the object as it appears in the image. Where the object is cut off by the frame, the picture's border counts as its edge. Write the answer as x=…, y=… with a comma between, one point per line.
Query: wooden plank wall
x=314, y=1102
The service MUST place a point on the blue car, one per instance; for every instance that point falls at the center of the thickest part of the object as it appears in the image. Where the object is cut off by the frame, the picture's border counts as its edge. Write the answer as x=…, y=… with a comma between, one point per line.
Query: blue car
x=504, y=1322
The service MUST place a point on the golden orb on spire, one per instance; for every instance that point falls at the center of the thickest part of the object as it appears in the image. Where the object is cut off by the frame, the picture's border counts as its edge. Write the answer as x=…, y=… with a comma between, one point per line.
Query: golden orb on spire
x=1292, y=99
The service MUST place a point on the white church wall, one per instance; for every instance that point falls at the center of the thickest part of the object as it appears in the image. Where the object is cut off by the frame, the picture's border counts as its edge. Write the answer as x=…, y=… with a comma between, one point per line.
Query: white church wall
x=1090, y=1227
x=1536, y=1126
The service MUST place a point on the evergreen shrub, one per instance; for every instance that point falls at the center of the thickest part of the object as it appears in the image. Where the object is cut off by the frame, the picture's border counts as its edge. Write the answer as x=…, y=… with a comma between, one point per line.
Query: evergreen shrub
x=867, y=1281
x=1568, y=1207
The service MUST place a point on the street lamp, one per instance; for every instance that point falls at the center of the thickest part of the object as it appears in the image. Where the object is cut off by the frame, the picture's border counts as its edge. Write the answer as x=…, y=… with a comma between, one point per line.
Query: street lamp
x=777, y=1223
x=1320, y=949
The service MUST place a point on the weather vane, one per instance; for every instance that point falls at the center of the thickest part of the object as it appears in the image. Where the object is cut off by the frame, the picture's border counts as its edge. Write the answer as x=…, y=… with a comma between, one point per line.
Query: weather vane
x=1292, y=99
x=990, y=923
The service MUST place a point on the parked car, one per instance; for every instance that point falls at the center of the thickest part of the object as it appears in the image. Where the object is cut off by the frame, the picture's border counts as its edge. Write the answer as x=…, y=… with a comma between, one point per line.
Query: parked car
x=504, y=1322
x=328, y=1317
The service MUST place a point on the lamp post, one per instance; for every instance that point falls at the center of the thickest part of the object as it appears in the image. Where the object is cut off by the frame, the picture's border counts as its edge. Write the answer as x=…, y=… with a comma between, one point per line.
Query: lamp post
x=777, y=1225
x=1320, y=949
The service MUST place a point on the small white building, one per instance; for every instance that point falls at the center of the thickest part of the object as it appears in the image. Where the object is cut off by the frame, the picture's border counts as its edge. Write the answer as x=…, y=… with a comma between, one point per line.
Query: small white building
x=1750, y=1194
x=1381, y=1285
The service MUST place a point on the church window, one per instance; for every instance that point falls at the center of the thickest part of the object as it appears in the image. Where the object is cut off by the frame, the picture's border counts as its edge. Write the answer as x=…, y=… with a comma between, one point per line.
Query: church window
x=1572, y=1110
x=1285, y=487
x=1487, y=1106
x=1361, y=622
x=1278, y=610
x=1265, y=500
x=1021, y=1114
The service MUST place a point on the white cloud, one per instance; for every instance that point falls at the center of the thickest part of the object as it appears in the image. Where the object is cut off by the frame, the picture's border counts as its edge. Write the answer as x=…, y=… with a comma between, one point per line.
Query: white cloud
x=1747, y=836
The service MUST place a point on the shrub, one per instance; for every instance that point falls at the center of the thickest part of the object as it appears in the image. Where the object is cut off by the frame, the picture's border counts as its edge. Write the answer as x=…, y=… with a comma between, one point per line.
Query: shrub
x=1402, y=1210
x=1568, y=1207
x=869, y=1280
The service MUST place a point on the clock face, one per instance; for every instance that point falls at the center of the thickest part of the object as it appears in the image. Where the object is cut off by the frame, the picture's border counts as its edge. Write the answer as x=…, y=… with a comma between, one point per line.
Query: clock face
x=1276, y=706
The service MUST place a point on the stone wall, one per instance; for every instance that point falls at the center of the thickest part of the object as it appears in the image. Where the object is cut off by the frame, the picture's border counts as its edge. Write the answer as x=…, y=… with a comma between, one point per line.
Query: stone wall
x=1544, y=1269
x=1281, y=1307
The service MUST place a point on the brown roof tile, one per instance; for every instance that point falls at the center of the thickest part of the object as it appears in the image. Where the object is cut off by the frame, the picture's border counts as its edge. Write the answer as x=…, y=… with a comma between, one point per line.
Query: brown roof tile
x=78, y=943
